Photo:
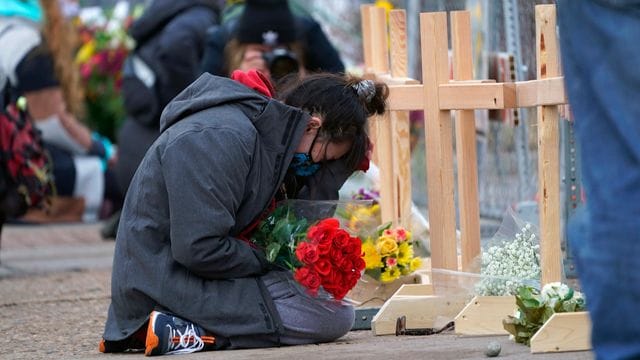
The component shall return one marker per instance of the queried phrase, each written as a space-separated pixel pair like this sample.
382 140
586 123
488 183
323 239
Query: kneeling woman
183 278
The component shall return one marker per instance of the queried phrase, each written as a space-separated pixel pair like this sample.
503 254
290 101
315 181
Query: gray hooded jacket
223 152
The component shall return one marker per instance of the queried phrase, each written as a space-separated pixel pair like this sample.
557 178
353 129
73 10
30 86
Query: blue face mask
303 165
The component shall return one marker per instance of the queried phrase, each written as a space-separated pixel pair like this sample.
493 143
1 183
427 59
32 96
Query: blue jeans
601 62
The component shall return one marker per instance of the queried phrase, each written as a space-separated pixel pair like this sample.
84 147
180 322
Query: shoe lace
184 342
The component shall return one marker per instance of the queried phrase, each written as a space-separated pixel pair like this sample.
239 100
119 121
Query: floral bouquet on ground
536 307
313 245
389 254
105 45
511 260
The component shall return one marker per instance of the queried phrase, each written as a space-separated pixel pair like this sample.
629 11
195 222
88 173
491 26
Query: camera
281 62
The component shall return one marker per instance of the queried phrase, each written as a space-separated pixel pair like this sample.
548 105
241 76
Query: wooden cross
438 96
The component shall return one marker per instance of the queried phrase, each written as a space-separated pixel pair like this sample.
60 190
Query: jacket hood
210 91
159 13
206 92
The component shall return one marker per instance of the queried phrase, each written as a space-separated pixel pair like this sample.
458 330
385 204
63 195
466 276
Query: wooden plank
422 311
398 40
400 126
369 292
401 149
548 149
563 332
365 16
397 80
438 144
367 43
484 314
407 94
406 97
469 96
384 149
468 201
379 43
414 290
381 132
548 91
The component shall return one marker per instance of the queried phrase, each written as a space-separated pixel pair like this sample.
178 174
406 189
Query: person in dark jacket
170 41
265 30
180 270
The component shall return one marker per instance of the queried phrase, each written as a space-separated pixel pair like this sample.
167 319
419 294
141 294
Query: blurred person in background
37 63
602 77
169 39
265 35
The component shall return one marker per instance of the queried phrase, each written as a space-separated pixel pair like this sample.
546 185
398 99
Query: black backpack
140 95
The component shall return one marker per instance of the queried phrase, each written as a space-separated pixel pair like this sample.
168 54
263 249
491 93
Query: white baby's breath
507 265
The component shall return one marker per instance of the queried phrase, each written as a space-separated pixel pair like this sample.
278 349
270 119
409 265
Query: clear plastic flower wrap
510 259
389 252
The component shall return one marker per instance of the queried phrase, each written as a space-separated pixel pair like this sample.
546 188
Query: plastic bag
365 186
510 259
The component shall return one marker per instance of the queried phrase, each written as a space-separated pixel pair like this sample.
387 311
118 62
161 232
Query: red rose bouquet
322 255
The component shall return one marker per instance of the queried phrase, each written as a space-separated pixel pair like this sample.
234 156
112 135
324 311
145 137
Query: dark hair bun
372 95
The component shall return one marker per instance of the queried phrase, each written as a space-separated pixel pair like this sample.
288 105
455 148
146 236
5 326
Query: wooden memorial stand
437 96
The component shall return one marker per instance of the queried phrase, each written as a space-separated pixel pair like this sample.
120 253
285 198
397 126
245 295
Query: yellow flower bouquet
389 254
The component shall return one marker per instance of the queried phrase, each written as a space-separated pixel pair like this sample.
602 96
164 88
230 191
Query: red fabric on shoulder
365 163
255 80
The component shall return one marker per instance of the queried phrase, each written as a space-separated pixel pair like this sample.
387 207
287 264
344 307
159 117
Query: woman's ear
314 123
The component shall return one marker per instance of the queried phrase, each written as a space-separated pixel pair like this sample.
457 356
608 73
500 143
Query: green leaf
547 314
374 273
272 251
380 229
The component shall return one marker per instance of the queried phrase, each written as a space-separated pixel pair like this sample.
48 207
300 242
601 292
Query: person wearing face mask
183 278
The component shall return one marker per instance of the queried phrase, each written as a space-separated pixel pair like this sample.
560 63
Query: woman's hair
234 54
61 41
344 102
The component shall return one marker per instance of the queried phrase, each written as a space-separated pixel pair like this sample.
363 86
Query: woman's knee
338 323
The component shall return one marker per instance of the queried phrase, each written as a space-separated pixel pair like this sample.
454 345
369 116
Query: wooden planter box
371 293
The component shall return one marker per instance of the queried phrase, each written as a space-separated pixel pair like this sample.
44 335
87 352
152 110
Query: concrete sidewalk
54 295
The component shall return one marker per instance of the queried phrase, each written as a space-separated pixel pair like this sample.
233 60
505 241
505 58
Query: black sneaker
168 334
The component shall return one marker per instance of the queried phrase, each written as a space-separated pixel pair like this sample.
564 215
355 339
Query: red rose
330 223
332 280
307 253
308 278
336 257
353 280
340 293
358 263
341 238
354 247
324 245
322 266
338 284
323 229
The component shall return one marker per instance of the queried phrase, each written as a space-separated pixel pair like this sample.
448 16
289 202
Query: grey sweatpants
306 319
